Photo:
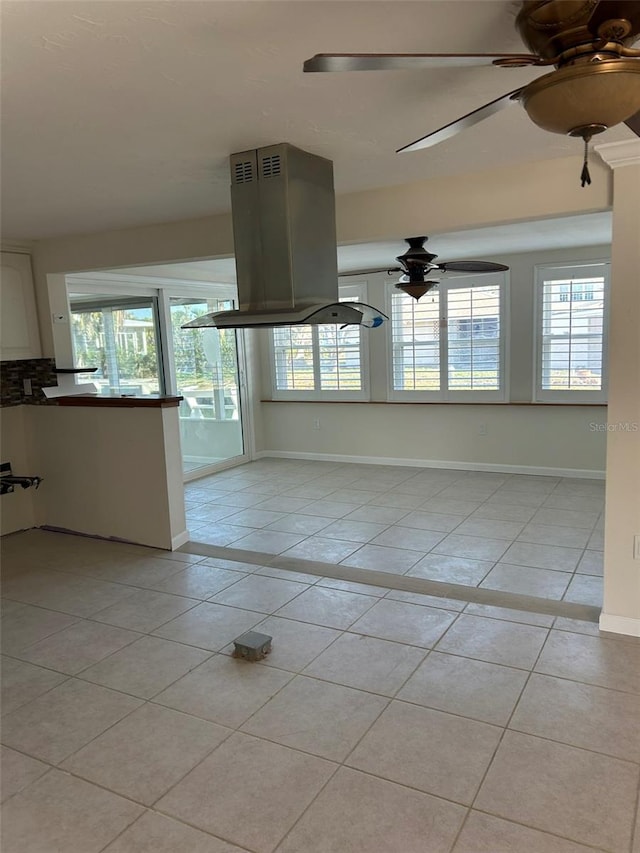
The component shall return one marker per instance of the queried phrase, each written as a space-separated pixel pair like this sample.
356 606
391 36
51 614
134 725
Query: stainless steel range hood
284 233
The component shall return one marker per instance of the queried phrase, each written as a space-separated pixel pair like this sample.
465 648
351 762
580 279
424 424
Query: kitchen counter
123 401
111 467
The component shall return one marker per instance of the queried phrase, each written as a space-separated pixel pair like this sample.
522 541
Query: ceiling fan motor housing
549 28
416 259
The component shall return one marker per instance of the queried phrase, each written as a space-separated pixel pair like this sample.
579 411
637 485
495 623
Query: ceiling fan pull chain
585 177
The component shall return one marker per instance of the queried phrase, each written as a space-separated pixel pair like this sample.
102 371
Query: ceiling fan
416 264
595 84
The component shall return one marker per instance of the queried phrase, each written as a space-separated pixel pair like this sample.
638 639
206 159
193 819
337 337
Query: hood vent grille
270 166
243 172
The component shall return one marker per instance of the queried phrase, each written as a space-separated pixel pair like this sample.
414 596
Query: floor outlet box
252 646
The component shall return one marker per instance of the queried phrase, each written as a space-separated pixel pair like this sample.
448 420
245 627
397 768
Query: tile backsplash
13 373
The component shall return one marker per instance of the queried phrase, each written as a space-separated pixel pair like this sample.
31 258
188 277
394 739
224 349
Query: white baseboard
620 625
581 473
179 540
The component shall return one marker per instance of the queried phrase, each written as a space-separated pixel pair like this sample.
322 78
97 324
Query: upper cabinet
20 337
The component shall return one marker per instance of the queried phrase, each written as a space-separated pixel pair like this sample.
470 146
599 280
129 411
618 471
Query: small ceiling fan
595 84
416 264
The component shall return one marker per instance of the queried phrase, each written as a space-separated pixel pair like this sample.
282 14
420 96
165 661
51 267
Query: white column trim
619 624
179 540
625 153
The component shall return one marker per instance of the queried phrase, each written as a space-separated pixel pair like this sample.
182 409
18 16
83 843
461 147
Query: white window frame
351 291
586 268
444 395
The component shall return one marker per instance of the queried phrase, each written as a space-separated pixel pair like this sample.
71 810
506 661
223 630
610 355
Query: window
571 320
119 336
450 344
320 362
576 291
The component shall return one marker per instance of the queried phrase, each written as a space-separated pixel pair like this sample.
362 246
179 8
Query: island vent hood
284 233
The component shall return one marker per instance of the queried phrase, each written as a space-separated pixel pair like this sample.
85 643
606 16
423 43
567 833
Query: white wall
175 532
17 509
537 190
112 472
529 439
536 437
621 610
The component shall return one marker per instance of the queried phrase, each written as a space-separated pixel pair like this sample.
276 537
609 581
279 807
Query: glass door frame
195 290
163 289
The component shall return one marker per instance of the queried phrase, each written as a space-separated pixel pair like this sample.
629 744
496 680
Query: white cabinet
20 337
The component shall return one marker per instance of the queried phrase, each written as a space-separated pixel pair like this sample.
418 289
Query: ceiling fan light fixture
416 289
597 95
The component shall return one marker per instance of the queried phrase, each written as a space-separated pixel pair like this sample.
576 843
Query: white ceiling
118 113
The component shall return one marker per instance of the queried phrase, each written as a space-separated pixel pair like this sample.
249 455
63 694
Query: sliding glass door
130 328
206 374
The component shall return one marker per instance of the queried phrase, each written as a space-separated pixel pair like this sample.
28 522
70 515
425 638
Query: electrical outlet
482 429
26 387
636 547
316 423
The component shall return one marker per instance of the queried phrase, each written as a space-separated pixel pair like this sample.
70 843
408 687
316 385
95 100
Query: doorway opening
127 323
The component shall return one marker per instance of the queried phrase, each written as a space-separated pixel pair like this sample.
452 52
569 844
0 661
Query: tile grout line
338 764
562 743
343 764
348 630
460 478
502 736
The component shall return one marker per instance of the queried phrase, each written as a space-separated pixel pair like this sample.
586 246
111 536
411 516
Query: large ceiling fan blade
463 123
388 270
414 61
472 266
633 123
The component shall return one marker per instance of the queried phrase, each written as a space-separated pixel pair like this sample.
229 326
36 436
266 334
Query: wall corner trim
620 624
179 540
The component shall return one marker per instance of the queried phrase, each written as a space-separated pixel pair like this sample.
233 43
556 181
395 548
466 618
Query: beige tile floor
538 536
383 721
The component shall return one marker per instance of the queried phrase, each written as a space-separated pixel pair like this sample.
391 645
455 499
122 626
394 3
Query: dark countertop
118 401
